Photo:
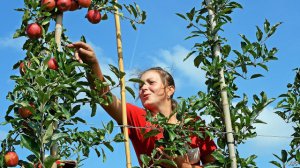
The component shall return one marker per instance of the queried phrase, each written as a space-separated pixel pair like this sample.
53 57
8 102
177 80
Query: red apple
49 4
74 5
22 67
52 64
84 3
11 159
34 31
37 165
25 112
63 5
94 16
59 164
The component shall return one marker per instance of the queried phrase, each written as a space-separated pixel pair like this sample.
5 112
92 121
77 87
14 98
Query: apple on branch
63 5
74 5
49 4
93 16
34 31
84 3
52 64
11 159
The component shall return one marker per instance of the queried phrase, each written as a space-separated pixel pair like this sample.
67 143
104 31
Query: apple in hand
11 159
34 31
93 16
49 4
63 5
84 3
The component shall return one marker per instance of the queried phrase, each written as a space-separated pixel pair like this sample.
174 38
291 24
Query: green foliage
55 97
289 110
234 63
175 136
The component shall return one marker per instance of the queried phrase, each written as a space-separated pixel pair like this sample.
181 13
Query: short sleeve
207 146
135 117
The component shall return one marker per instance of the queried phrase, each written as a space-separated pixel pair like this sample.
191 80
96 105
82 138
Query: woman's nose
144 86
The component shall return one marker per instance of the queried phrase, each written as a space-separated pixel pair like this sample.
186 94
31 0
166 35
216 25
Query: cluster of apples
93 15
35 31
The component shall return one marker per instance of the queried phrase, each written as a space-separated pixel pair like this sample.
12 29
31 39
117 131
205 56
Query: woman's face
153 92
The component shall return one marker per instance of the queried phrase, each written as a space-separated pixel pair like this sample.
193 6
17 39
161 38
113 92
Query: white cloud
3 135
275 127
184 72
12 43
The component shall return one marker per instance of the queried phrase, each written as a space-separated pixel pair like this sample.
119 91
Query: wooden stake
58 32
224 96
123 91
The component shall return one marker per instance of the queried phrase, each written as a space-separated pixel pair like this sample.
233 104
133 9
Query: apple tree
289 110
231 114
52 88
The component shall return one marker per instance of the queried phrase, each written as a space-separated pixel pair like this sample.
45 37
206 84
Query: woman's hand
84 53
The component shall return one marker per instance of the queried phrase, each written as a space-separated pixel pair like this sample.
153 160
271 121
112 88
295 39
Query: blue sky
161 42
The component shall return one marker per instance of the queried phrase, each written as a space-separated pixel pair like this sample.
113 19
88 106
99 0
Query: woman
156 96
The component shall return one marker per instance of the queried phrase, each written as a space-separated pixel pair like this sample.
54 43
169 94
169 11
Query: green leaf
57 136
18 33
188 55
259 121
263 66
250 159
82 38
130 91
46 21
191 14
218 156
107 144
30 144
103 155
181 15
256 76
110 127
298 156
97 152
136 80
145 159
50 160
273 29
266 26
275 163
94 109
48 134
133 10
259 33
171 134
197 61
151 133
284 156
119 138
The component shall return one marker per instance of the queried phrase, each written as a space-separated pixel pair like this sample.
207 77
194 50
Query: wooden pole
224 96
123 91
58 32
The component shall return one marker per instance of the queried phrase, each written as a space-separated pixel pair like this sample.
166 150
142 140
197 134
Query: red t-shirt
136 117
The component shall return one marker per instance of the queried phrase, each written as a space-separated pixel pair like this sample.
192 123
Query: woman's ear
170 90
